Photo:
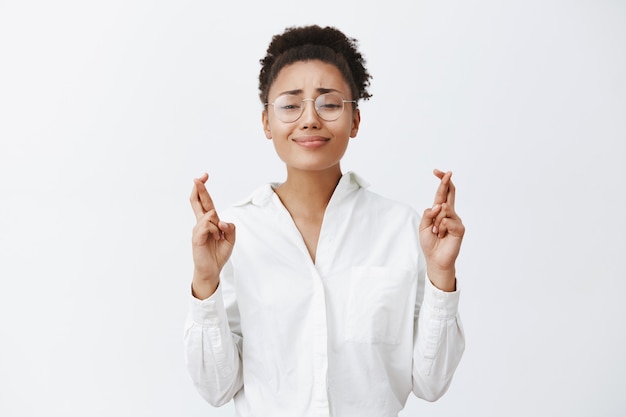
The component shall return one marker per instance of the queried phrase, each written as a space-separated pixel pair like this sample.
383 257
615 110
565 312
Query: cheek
351 127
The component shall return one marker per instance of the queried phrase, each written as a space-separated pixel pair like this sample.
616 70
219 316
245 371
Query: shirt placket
320 348
323 262
319 326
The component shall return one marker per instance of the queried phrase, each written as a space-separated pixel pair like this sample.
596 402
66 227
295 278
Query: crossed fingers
446 219
204 209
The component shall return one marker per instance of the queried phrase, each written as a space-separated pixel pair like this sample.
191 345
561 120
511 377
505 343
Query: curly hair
307 43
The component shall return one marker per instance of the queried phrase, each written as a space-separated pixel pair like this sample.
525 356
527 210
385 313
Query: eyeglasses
329 106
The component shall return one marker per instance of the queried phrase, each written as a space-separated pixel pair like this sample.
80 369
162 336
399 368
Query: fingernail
435 229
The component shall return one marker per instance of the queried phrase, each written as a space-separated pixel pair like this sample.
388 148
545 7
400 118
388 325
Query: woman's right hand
212 241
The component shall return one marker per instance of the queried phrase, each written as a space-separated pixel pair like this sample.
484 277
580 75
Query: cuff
210 311
441 304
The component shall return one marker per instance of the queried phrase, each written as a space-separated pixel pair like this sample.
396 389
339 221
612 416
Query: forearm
438 345
443 279
202 287
212 351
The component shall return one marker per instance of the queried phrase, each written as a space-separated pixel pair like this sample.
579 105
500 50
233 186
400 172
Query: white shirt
349 335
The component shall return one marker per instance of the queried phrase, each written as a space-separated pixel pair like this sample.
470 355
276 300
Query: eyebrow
319 90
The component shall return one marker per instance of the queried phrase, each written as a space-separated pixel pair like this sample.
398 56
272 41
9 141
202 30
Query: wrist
203 286
445 280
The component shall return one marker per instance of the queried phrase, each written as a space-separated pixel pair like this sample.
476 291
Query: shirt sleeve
212 348
439 342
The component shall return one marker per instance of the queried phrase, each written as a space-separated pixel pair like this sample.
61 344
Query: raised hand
212 241
441 233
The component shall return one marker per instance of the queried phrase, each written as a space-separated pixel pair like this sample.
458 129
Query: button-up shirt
351 334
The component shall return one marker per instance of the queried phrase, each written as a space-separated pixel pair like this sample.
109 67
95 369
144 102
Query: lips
311 142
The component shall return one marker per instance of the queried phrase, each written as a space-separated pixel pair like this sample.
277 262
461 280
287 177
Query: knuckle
197 237
203 225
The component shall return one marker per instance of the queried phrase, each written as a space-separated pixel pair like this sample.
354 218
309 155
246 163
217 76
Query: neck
308 190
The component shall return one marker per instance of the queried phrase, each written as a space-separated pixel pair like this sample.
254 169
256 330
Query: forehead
309 76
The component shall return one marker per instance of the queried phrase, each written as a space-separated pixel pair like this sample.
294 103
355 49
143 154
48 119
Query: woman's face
310 143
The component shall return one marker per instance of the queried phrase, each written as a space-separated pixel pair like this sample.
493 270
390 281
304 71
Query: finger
438 173
194 192
429 216
451 194
207 225
446 212
196 205
203 194
204 177
441 194
228 231
443 213
453 227
202 232
200 199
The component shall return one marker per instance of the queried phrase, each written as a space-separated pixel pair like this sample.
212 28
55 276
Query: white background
109 109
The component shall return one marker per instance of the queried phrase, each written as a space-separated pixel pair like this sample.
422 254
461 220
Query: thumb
429 216
229 231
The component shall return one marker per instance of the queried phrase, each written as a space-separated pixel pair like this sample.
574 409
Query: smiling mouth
311 142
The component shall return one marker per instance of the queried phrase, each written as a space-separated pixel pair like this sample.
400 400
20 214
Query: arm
439 339
212 349
438 343
213 343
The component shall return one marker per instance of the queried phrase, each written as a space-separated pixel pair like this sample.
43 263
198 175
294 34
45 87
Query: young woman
331 300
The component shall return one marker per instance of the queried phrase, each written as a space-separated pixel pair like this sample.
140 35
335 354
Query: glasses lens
329 106
288 107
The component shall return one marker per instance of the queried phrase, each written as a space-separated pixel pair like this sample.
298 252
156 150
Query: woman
332 300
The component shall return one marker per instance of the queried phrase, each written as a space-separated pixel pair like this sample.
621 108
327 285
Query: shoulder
257 199
375 205
385 208
376 201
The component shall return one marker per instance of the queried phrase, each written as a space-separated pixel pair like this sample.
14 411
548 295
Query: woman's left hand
441 233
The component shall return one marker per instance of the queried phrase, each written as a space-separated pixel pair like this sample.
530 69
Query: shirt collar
348 183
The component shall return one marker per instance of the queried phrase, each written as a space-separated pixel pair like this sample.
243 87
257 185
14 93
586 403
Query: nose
309 117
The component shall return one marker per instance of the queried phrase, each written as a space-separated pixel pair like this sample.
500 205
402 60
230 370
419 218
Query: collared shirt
349 335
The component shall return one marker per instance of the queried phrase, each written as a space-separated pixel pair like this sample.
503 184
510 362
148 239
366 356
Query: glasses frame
314 100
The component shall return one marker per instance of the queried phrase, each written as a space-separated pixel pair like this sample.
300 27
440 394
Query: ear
356 121
266 124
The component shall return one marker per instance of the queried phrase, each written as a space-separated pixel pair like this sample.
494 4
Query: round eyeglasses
329 106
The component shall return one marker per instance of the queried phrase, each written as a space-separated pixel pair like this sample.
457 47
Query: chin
316 167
